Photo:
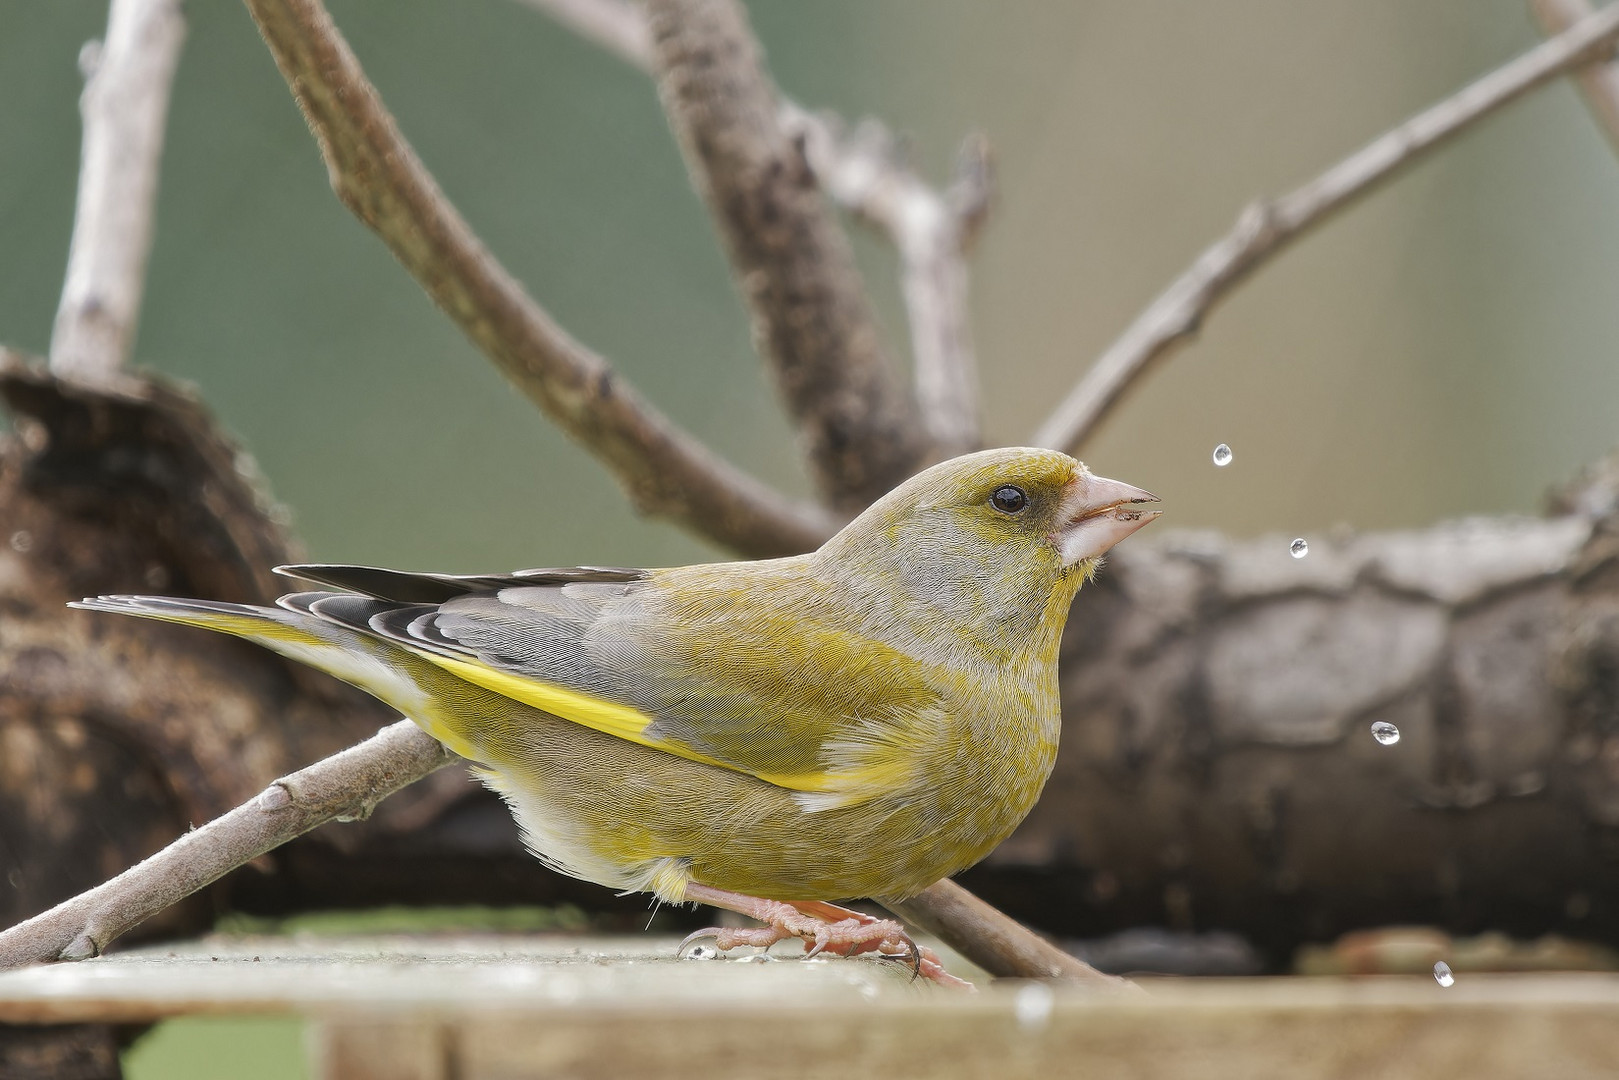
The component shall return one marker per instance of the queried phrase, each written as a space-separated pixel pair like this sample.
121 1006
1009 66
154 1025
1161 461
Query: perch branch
993 940
866 175
343 786
347 786
860 431
377 175
125 103
1599 82
1268 226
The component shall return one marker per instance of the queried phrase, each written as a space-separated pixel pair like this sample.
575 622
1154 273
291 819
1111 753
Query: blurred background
1444 348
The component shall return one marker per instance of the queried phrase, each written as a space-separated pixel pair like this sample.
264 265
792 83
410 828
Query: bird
769 737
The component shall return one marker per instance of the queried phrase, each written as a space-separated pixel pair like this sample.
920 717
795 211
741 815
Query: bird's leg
824 927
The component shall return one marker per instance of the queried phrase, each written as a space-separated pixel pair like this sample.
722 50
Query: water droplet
1222 455
1442 975
22 540
1299 548
1385 733
702 952
1033 1005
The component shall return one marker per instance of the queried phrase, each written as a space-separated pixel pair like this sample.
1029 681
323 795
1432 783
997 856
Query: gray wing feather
404 587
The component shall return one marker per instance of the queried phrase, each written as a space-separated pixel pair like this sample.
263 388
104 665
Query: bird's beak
1099 514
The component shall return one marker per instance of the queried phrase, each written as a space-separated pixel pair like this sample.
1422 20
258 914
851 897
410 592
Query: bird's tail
388 672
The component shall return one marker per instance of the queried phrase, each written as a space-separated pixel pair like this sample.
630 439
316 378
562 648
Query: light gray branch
1269 226
618 26
344 786
865 173
125 105
1599 82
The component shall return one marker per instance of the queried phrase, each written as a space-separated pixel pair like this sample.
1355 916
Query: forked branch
377 175
860 432
865 173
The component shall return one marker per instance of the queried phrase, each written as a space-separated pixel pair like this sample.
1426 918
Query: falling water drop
1033 1005
1299 548
1442 975
1385 733
1222 455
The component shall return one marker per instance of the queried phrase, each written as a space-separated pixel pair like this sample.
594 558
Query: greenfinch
768 736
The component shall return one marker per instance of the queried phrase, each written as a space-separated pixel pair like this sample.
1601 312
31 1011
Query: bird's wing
728 665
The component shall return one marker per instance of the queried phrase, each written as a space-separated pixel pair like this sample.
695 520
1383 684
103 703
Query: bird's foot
824 928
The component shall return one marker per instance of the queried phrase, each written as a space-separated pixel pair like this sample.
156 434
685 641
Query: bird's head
987 536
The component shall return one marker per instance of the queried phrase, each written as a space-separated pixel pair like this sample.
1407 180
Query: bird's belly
627 816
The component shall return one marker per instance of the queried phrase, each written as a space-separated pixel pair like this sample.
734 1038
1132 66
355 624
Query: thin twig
378 176
1599 82
865 174
618 26
125 105
1268 226
860 431
344 786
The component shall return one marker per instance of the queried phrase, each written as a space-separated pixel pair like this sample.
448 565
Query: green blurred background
1444 348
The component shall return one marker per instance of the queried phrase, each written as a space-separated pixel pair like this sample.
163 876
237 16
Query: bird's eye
1008 499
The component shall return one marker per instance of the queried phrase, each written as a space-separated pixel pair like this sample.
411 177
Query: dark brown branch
860 430
344 786
868 176
125 106
1599 82
378 176
1267 227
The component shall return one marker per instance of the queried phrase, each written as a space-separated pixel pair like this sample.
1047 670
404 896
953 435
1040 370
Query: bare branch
348 785
124 106
618 26
344 786
1599 82
1268 226
866 175
377 175
993 940
860 430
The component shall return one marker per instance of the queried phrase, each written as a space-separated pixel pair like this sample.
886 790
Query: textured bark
1218 770
115 735
861 433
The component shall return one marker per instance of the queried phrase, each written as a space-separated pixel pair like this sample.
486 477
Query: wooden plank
499 1008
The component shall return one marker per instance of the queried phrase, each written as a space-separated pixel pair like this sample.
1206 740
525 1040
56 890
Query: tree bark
1218 770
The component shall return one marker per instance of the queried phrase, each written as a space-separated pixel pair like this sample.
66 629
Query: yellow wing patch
629 723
